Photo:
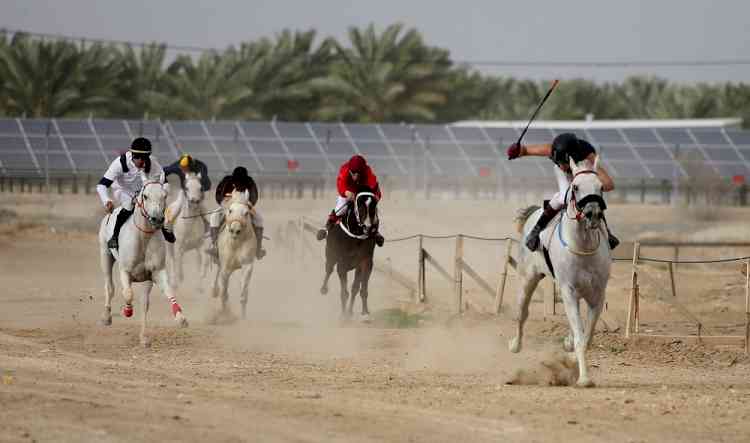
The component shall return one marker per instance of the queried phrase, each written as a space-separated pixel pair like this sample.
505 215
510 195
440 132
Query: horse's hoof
145 342
324 290
365 318
568 344
105 321
514 345
127 311
586 383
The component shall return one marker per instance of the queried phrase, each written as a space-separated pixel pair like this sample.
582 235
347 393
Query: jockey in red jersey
352 174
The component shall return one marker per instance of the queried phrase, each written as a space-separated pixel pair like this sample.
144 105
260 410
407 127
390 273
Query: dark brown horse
350 244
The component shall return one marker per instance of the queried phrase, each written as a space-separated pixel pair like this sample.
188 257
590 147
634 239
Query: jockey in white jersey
126 176
563 148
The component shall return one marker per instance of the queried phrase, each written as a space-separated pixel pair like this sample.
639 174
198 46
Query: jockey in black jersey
238 181
563 148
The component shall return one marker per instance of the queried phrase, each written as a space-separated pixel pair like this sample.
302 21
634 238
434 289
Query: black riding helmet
562 146
141 147
240 172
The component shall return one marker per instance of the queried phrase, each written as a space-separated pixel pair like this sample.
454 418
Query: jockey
563 147
185 164
128 173
352 174
238 181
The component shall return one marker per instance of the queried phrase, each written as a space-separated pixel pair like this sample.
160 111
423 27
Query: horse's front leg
145 341
356 285
107 261
162 280
245 288
572 311
528 285
593 314
364 286
328 272
127 293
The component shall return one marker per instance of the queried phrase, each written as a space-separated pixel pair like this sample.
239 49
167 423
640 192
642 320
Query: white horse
580 257
237 248
186 213
141 255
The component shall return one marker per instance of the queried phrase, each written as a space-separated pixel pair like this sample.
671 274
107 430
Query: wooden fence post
671 279
500 293
458 271
420 271
747 307
633 292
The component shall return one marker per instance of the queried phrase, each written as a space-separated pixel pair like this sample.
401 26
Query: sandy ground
293 372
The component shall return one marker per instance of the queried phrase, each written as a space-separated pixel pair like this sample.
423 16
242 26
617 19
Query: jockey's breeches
123 197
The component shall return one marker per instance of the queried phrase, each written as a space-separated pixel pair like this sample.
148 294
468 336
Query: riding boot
332 219
168 235
613 241
379 239
213 250
122 217
532 240
259 252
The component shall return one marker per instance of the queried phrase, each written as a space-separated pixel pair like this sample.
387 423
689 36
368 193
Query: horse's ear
573 166
247 194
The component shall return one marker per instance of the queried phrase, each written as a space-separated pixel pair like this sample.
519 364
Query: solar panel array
28 147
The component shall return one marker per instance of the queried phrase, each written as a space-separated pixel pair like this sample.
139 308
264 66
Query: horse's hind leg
572 311
344 292
145 341
246 288
107 262
522 309
356 285
162 280
364 284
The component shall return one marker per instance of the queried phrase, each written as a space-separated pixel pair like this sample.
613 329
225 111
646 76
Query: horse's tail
523 215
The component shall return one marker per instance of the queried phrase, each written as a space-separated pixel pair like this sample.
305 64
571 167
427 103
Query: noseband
579 205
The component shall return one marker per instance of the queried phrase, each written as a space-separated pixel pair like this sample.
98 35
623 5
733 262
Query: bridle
577 205
343 226
140 205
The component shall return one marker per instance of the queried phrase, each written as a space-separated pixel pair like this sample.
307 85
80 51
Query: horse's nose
158 220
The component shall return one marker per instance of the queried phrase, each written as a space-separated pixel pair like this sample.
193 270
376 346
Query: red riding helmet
357 164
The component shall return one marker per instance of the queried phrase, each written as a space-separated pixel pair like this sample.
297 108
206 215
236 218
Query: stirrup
112 243
613 241
532 241
322 234
260 254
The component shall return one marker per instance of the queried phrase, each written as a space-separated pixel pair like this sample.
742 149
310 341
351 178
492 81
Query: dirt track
292 372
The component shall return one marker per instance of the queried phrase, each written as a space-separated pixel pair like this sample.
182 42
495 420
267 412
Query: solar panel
443 149
466 134
223 130
9 126
502 136
433 133
363 132
740 137
675 136
403 149
274 163
732 169
710 137
303 147
240 159
145 128
641 136
665 170
188 129
328 131
482 150
629 169
268 147
338 148
617 152
722 154
397 132
37 126
453 167
384 166
258 130
651 153
110 127
605 136
74 127
293 130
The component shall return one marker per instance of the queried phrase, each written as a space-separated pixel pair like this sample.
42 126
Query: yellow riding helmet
185 160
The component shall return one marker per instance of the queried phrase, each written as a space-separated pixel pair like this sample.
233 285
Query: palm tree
386 77
202 89
142 75
55 78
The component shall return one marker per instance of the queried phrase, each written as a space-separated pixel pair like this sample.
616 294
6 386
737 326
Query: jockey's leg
217 218
126 203
551 209
613 241
333 217
258 228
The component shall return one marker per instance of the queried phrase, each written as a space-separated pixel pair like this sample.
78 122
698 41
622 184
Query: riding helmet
141 146
186 160
240 172
357 164
562 146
